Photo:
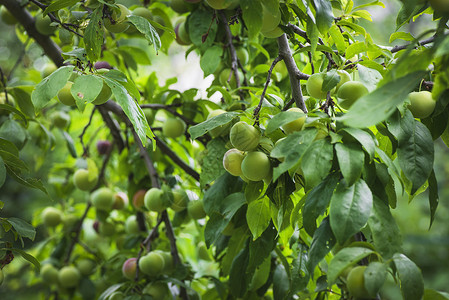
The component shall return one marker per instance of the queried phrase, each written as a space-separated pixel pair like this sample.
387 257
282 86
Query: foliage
153 213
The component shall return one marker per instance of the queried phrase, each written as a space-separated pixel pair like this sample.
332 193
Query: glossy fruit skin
195 209
131 225
104 95
270 20
232 161
154 200
344 77
64 95
102 65
119 16
82 181
103 147
103 199
224 76
295 125
157 290
349 92
272 34
179 200
222 4
182 35
422 104
43 25
50 68
49 274
314 85
256 166
7 16
242 55
143 12
440 5
51 216
69 277
138 199
168 261
106 228
86 266
179 6
129 268
173 128
60 119
120 201
244 137
220 130
356 282
152 264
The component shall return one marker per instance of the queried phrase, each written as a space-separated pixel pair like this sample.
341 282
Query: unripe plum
120 201
232 161
131 225
440 5
220 130
2 277
295 125
179 200
154 200
152 264
422 104
344 77
256 166
242 55
64 95
157 290
222 4
51 216
49 274
173 128
272 34
271 19
69 277
7 17
86 266
102 199
179 6
195 209
104 95
138 199
349 92
314 86
119 16
356 282
60 119
224 76
244 137
43 25
182 35
129 268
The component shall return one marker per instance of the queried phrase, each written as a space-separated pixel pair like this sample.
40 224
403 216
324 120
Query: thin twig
86 149
113 127
170 110
19 59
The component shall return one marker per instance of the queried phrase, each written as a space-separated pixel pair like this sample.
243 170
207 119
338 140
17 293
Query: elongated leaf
50 86
202 28
258 216
211 59
23 99
317 201
351 160
86 88
145 27
238 281
28 257
2 172
23 228
281 282
70 144
375 275
212 123
324 15
225 185
252 15
212 166
322 243
412 285
364 138
93 35
317 162
281 119
380 104
131 109
29 182
435 295
343 259
57 5
338 38
415 152
433 197
350 209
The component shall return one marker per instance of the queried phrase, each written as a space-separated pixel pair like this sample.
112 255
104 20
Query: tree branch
50 48
113 127
293 71
170 110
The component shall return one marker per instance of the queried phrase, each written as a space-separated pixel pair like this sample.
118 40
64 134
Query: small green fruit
179 200
82 181
356 282
51 216
49 274
60 119
69 277
129 268
220 130
195 209
349 92
244 137
119 16
64 95
344 77
154 200
152 264
104 95
173 128
138 199
256 166
295 125
422 104
131 225
232 161
314 86
242 55
224 76
43 25
86 266
103 199
157 290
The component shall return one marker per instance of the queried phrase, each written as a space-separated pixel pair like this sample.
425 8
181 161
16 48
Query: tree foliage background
360 186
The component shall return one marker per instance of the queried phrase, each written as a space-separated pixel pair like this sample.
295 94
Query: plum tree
43 25
129 268
152 264
244 137
182 35
103 199
356 282
232 161
104 95
173 128
344 77
349 92
295 125
103 146
256 166
220 130
271 19
224 76
51 216
422 104
120 201
69 277
154 200
179 6
65 96
83 180
102 65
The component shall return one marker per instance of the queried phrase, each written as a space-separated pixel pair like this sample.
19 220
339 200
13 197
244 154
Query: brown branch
113 127
293 71
170 110
420 43
86 149
26 19
267 82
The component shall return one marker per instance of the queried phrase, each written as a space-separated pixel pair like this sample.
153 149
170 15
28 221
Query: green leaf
252 14
13 132
29 182
322 243
105 295
222 187
300 274
23 99
369 75
330 80
324 15
338 38
253 190
50 86
351 160
281 282
200 25
70 145
312 34
261 248
415 151
435 295
93 35
57 5
238 281
281 119
236 243
145 27
2 172
408 10
433 197
27 257
412 286
350 209
13 161
23 228
211 59
131 109
258 216
317 201
343 259
364 138
406 36
377 106
375 275
317 162
212 166
7 146
87 288
86 88
355 48
208 125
